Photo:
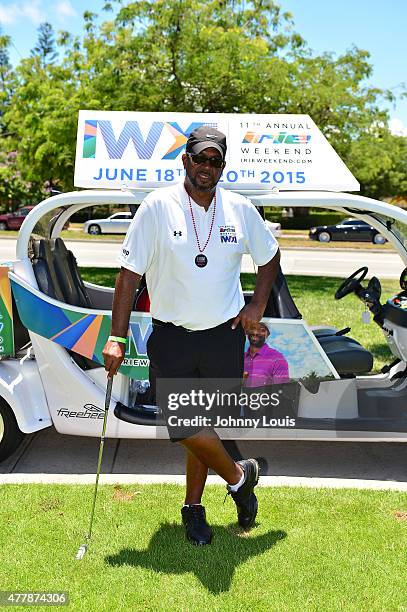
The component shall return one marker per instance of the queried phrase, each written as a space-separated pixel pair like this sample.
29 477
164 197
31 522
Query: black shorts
176 353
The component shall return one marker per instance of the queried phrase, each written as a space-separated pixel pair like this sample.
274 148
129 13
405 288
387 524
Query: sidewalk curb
334 249
265 481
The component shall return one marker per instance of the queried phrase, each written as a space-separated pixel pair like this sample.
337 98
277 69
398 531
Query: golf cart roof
389 220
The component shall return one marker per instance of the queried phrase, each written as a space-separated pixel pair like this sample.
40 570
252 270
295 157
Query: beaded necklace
201 260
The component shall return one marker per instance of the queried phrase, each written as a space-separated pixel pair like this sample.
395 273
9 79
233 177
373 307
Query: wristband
117 339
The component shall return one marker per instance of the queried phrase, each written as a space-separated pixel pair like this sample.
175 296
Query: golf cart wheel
324 237
94 229
378 239
10 434
3 226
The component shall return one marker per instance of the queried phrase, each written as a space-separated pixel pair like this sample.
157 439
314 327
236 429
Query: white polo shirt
161 244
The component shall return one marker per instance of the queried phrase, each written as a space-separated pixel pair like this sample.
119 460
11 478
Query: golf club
84 547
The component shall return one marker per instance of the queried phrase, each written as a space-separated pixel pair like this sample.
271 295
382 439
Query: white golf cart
52 374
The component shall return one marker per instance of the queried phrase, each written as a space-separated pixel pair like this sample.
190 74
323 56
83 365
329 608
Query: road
310 261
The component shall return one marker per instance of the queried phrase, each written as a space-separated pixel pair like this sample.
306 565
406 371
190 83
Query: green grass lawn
315 300
311 549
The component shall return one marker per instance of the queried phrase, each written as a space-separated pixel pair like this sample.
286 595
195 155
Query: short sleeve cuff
269 257
125 264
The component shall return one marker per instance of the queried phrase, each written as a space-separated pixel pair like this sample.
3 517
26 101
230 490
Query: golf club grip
108 392
136 415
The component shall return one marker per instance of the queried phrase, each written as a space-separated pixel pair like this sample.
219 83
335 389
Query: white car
274 227
118 223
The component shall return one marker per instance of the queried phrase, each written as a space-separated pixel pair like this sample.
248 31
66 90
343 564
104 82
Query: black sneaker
244 498
197 529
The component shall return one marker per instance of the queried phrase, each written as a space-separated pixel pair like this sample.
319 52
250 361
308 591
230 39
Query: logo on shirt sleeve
125 252
227 233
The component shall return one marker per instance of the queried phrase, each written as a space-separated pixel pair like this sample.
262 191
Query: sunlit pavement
51 457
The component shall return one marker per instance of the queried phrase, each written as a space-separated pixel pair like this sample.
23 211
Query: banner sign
6 315
118 149
84 333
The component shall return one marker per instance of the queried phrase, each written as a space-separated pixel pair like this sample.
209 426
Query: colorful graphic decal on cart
6 315
84 333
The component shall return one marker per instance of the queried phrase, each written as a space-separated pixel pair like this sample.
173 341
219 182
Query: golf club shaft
102 443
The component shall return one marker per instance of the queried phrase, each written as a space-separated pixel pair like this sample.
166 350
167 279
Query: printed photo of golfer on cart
280 357
54 325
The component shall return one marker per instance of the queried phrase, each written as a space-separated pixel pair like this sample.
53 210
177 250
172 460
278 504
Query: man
189 239
263 365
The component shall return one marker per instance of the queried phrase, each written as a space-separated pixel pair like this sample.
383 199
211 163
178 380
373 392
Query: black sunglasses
215 162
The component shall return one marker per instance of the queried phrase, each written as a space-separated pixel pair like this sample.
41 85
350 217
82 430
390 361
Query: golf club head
81 552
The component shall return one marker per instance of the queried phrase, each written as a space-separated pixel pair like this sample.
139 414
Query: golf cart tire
10 434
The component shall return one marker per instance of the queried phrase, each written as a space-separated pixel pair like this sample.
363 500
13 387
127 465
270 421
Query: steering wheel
351 283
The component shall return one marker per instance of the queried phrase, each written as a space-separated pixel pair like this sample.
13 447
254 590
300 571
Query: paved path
50 457
311 261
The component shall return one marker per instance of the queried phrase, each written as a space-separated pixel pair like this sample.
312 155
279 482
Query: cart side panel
82 331
6 315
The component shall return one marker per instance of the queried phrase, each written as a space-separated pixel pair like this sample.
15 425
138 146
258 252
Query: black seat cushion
57 275
44 270
280 303
67 272
346 354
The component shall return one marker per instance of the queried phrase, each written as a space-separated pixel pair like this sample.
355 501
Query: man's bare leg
209 450
196 478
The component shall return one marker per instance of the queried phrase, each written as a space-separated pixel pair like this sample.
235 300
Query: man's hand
252 313
113 352
249 316
113 355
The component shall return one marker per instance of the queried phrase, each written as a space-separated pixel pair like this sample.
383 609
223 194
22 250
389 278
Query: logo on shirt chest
177 233
227 233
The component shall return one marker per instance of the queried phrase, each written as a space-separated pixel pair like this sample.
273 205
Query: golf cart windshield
396 227
44 226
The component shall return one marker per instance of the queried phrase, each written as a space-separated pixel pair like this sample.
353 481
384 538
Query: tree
6 80
45 47
12 187
196 56
43 119
379 160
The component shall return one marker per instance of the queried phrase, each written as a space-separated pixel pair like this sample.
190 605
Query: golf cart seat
280 303
68 275
57 273
346 354
44 270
